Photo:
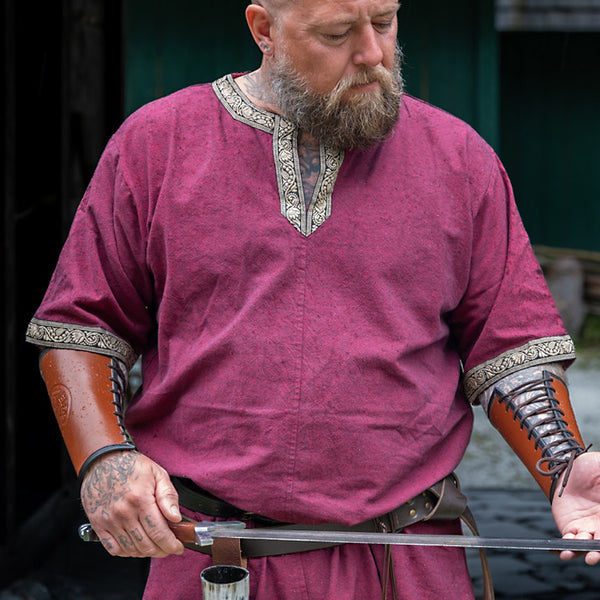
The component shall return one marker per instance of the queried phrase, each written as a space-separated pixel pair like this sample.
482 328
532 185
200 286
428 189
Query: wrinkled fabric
308 379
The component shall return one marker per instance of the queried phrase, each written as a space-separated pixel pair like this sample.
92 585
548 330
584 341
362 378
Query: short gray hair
273 6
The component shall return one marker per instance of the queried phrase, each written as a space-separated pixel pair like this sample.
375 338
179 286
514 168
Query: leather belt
195 499
443 500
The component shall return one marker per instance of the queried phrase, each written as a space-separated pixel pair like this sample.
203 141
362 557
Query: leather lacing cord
555 460
118 377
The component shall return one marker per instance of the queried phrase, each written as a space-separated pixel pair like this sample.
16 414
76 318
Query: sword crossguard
203 530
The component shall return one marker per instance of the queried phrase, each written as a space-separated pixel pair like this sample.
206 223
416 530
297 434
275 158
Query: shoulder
177 110
440 127
437 138
164 128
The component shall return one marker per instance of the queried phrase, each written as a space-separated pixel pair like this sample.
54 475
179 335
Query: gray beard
359 122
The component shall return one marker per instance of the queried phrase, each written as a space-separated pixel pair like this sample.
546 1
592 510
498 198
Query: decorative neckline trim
306 219
240 107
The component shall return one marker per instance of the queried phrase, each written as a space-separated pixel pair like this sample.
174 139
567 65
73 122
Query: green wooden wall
450 49
551 134
535 97
451 59
174 43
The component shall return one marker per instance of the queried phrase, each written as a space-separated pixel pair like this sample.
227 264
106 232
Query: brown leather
519 437
228 551
184 531
452 504
84 391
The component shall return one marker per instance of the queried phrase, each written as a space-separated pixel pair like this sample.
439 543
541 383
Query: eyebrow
391 10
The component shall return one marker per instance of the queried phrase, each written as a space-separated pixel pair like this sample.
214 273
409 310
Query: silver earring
265 48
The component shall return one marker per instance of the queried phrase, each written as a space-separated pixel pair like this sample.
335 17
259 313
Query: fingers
591 558
158 533
129 544
167 498
568 554
134 533
119 497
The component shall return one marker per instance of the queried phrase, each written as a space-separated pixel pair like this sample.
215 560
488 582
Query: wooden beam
548 15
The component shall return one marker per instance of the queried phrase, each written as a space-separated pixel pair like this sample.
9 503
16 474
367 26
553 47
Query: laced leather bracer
87 394
532 411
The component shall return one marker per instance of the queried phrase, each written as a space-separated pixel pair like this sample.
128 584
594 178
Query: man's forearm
532 411
87 394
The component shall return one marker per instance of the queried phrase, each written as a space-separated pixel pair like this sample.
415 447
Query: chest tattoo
310 167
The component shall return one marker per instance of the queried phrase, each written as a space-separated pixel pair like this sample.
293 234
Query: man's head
334 65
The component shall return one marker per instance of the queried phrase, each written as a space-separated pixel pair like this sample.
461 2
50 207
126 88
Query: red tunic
302 364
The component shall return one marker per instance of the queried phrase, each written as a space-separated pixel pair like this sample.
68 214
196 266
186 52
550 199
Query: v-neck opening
306 218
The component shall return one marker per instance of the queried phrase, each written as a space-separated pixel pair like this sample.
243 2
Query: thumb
167 498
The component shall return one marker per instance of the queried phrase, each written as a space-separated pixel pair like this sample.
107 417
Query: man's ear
260 21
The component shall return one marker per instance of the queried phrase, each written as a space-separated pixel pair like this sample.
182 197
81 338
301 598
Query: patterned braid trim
52 334
536 352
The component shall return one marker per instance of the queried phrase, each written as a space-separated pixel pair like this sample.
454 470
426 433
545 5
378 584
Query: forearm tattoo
108 481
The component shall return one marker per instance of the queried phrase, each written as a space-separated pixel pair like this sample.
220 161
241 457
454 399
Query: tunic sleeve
100 294
507 319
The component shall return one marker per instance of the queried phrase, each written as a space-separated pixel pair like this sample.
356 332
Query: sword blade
202 533
408 539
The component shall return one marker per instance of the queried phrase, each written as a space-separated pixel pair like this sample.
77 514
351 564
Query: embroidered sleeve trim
52 334
536 352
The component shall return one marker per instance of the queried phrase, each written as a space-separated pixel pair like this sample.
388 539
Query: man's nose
368 49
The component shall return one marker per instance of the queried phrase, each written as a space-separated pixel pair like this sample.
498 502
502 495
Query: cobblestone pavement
526 575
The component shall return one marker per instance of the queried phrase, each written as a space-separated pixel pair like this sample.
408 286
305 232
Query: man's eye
335 37
383 26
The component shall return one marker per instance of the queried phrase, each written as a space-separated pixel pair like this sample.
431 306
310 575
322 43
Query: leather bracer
532 411
87 393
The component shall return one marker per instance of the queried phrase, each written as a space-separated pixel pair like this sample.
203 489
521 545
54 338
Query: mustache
336 118
377 74
334 101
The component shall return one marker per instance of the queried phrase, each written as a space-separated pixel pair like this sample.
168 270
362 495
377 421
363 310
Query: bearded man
320 275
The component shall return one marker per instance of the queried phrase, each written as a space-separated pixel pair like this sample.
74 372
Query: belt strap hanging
228 551
452 504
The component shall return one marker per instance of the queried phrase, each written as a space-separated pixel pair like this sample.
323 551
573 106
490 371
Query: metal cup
225 582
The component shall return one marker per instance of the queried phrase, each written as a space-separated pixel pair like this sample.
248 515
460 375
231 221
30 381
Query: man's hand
128 499
577 511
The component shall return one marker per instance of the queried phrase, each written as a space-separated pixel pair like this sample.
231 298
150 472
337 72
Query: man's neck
256 86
